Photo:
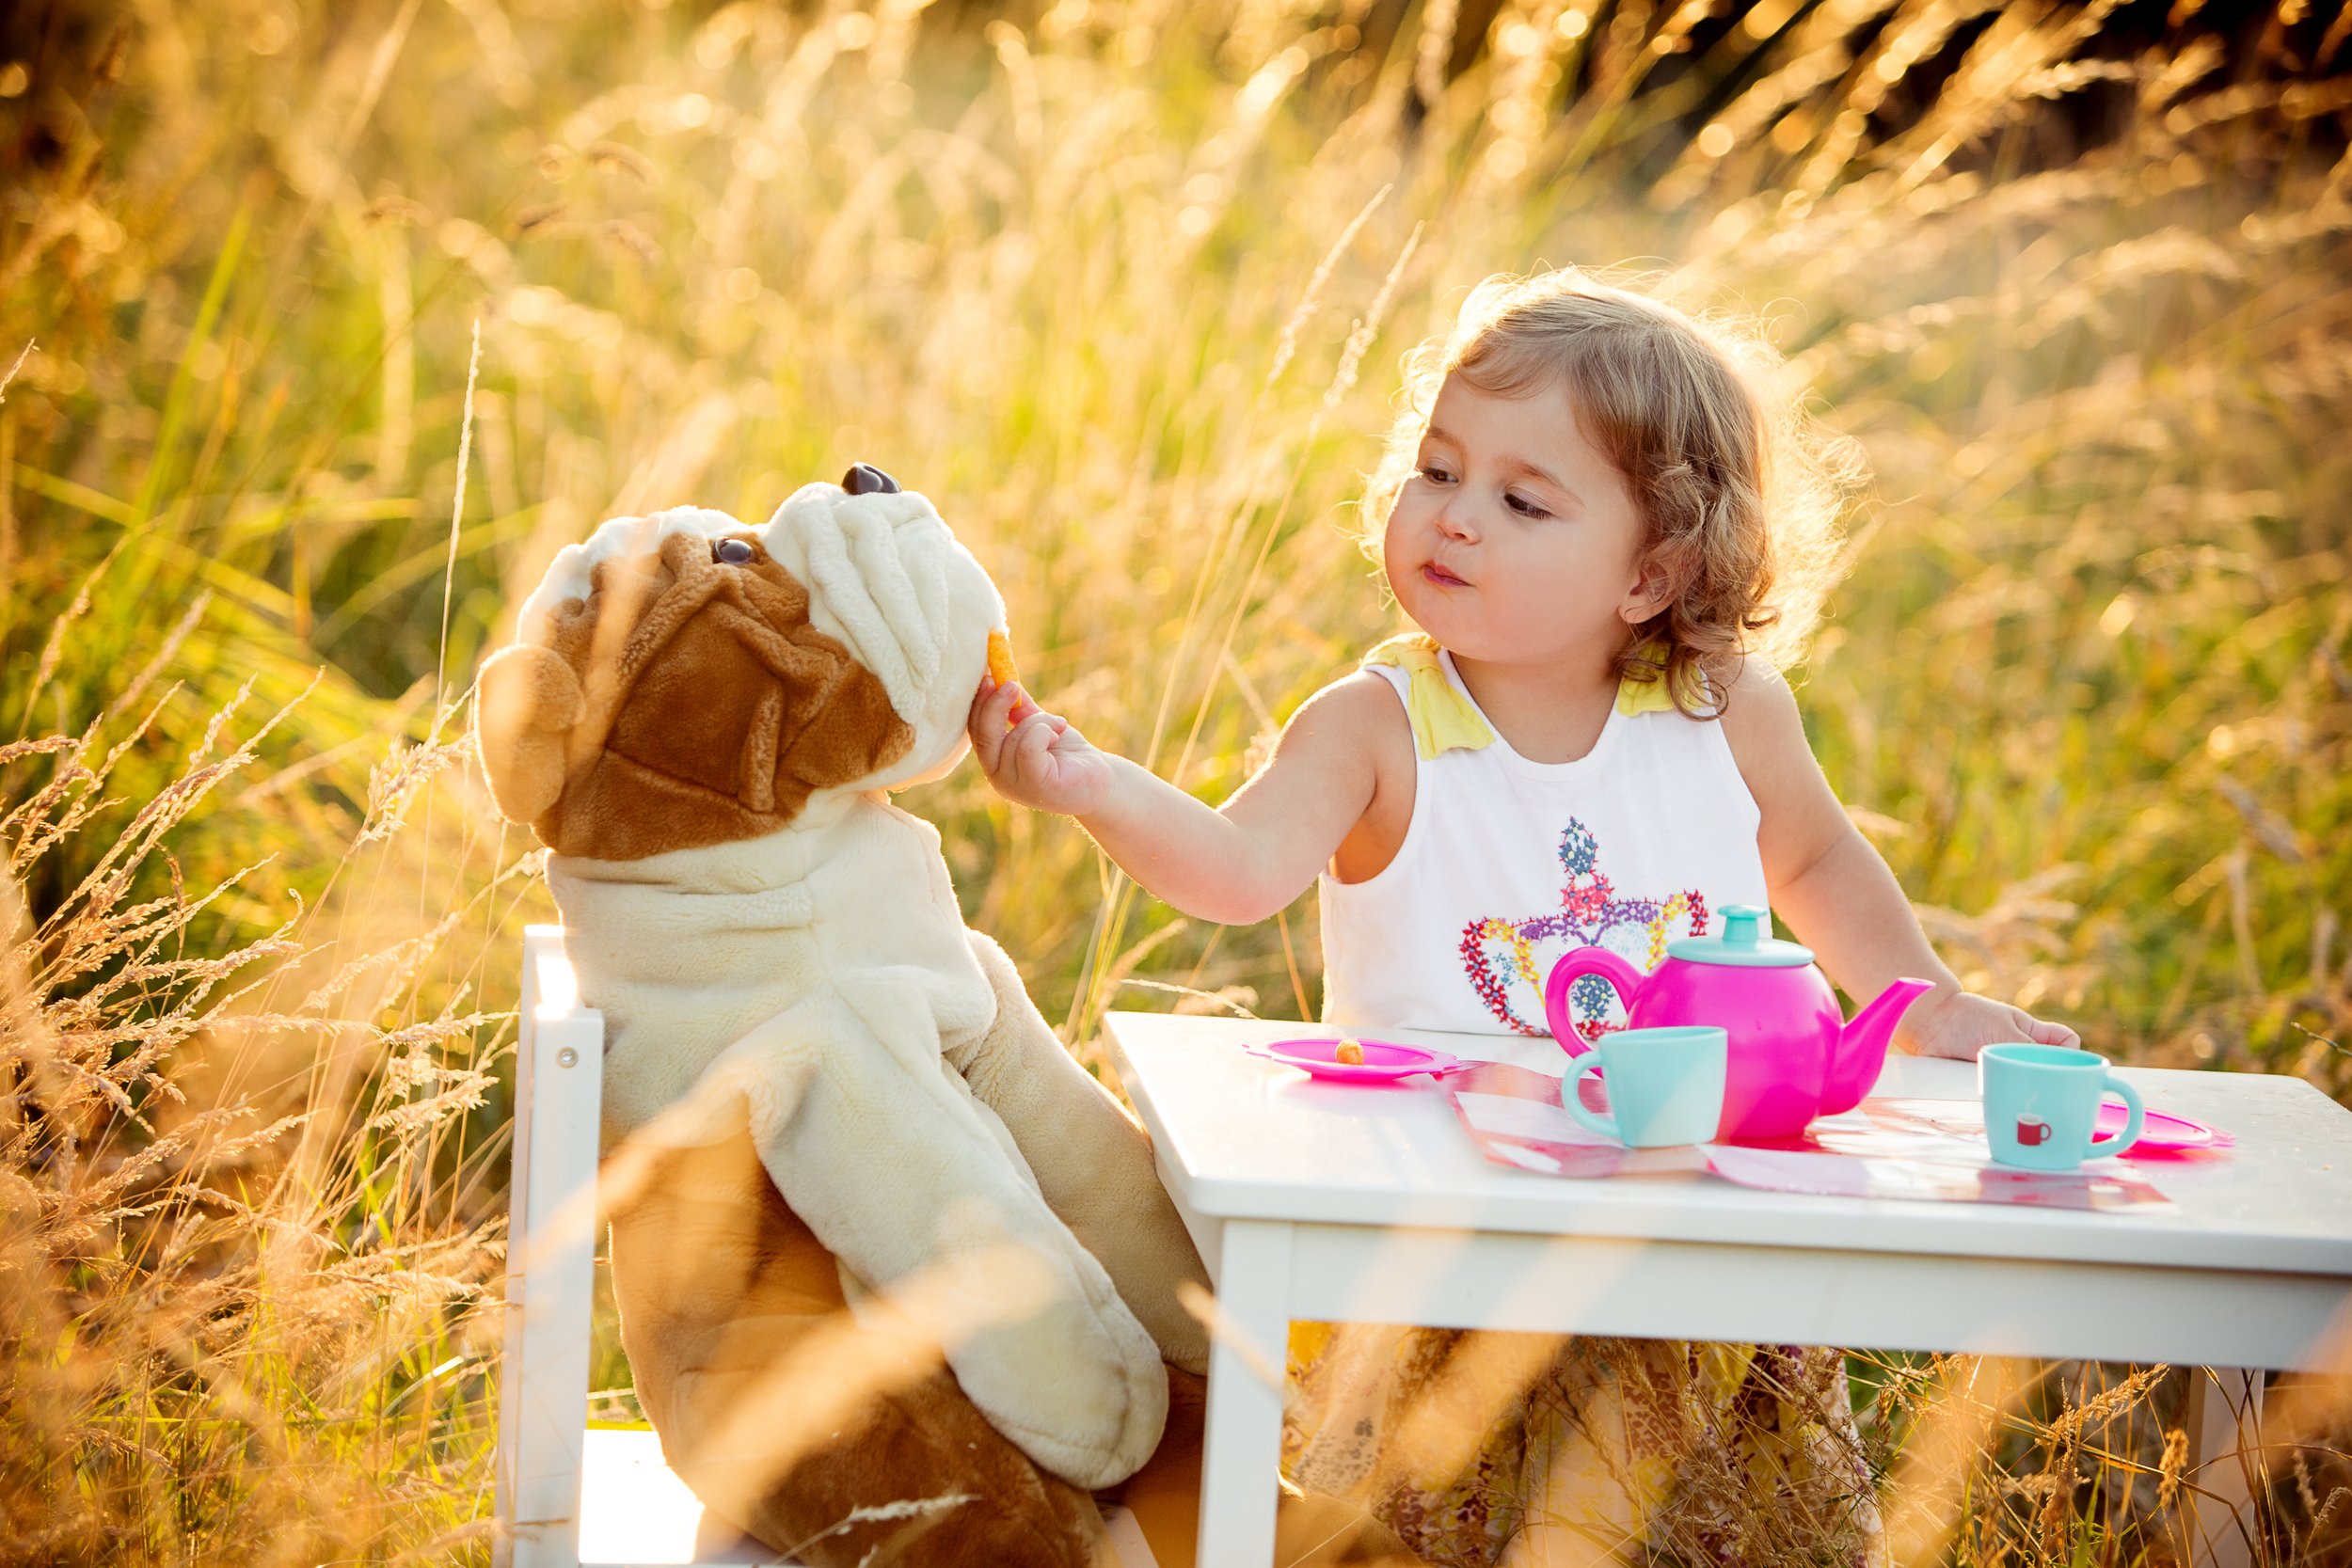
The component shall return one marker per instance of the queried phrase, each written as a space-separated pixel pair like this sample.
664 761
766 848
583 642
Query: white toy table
1334 1203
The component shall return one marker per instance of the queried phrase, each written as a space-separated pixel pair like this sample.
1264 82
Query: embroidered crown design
1497 952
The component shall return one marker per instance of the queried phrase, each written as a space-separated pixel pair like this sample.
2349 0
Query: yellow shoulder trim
1441 716
1444 718
1647 696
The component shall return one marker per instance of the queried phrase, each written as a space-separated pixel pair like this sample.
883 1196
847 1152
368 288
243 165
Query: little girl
1611 533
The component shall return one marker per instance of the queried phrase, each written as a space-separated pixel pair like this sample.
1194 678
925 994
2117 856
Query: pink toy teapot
1793 1055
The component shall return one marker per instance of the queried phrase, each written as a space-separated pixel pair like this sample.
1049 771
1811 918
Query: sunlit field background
1124 290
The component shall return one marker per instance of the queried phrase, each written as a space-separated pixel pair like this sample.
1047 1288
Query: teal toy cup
2041 1105
1665 1085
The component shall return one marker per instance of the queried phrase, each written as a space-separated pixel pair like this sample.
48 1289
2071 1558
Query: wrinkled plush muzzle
683 680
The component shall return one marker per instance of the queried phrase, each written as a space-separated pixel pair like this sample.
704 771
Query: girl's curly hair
1740 492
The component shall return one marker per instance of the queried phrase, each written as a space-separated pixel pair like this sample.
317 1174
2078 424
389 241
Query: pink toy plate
1383 1063
2160 1132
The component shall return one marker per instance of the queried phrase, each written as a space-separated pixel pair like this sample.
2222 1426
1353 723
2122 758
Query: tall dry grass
241 1257
1124 289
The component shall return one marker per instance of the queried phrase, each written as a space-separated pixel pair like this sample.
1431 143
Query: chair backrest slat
550 1259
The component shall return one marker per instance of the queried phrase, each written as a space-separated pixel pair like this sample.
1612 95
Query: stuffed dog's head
684 679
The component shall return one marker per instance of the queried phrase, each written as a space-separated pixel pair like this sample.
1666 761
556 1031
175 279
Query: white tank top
1508 863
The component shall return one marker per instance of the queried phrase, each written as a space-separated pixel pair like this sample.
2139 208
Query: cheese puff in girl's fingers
1035 759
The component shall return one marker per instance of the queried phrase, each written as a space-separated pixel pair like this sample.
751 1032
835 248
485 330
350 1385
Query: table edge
1219 1199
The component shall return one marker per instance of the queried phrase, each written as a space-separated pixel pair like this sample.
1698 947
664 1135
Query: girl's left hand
1960 1023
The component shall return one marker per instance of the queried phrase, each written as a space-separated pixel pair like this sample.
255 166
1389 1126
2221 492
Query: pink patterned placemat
1915 1148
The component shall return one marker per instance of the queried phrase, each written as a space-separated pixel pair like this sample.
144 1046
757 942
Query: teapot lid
1746 943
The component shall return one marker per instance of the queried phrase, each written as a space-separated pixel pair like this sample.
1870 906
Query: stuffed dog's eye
731 552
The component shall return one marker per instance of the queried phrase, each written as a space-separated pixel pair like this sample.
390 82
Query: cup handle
1573 1103
2130 1135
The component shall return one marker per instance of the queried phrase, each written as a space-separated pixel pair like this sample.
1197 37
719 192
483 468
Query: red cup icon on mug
2031 1132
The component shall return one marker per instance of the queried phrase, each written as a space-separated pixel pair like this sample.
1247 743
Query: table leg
2224 1421
1242 1444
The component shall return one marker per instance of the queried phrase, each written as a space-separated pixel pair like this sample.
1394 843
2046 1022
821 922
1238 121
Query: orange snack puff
1350 1051
1002 671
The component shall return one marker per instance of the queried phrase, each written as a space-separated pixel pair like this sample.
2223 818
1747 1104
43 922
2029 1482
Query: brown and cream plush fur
898 1281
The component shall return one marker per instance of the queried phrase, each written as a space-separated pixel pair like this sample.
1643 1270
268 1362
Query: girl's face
1516 541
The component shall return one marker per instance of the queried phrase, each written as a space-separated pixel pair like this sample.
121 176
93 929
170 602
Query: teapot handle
1621 975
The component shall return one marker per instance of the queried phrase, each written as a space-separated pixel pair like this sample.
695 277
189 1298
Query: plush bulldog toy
897 1279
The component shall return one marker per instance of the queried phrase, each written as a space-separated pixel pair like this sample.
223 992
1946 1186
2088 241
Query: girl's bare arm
1235 866
1837 895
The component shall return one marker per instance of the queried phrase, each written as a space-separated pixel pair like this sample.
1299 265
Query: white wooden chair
571 1494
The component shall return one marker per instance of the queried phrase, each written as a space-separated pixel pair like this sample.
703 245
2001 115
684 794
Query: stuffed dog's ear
525 705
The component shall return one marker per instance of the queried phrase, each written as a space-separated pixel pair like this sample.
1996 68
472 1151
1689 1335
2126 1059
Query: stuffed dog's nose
864 479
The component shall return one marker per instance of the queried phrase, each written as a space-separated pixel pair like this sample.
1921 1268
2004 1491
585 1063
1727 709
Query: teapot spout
1862 1046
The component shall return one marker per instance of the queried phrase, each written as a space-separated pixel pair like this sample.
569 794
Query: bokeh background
1124 288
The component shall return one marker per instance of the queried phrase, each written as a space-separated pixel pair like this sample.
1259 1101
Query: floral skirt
1486 1449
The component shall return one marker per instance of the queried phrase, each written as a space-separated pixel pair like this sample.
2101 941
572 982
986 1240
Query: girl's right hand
1035 759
